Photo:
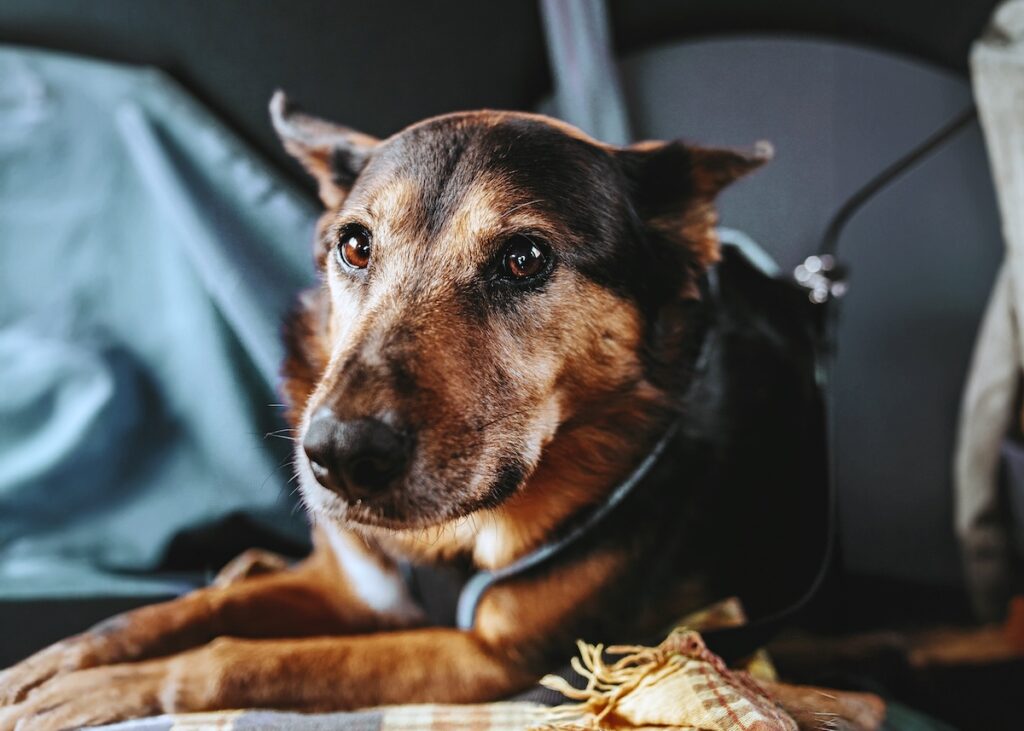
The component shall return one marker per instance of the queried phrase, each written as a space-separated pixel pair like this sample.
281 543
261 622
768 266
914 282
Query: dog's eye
354 246
523 258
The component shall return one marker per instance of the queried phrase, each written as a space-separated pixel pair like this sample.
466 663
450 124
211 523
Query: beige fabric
677 685
483 717
997 71
425 717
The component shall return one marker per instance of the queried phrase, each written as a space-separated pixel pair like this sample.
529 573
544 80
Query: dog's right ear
333 155
674 186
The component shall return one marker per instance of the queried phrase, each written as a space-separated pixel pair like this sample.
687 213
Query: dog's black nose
358 457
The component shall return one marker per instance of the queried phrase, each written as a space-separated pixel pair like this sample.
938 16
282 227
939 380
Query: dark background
379 65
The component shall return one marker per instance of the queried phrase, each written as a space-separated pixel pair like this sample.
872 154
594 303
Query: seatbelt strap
588 93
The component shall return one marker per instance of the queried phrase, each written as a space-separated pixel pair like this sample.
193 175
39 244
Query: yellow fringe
652 677
607 684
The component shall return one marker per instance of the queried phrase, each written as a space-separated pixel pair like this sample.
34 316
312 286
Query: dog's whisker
513 209
285 463
285 437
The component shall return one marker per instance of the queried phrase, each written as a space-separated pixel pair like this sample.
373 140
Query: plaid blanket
488 717
514 716
679 684
483 717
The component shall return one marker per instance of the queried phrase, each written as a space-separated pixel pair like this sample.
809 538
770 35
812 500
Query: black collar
473 591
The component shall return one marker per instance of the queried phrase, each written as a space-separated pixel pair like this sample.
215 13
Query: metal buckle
822 277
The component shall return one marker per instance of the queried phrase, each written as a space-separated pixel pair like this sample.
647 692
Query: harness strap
477 586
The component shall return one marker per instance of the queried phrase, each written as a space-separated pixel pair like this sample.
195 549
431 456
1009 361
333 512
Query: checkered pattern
680 685
431 717
482 717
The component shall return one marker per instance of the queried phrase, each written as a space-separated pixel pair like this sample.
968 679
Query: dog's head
490 281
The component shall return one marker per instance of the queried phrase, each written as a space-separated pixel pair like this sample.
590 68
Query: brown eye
354 246
523 259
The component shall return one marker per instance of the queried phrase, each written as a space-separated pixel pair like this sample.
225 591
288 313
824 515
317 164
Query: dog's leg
318 674
427 665
314 598
254 562
819 708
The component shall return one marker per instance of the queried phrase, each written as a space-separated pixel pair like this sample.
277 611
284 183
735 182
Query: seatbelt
588 93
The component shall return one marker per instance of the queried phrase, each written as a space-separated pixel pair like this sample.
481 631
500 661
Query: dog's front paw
819 708
90 697
108 643
61 658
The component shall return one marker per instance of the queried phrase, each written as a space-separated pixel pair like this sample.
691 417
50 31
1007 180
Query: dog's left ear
334 155
674 186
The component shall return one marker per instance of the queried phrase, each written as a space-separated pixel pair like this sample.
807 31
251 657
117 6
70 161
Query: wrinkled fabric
987 411
146 261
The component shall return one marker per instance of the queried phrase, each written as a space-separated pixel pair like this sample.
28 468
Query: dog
507 318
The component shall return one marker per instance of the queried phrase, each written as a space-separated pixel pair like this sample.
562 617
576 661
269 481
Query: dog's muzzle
357 458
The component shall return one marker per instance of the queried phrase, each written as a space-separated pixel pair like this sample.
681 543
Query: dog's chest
380 587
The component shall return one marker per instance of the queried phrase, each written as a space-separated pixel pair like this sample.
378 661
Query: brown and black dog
506 320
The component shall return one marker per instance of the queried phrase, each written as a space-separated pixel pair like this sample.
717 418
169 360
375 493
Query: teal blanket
146 260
